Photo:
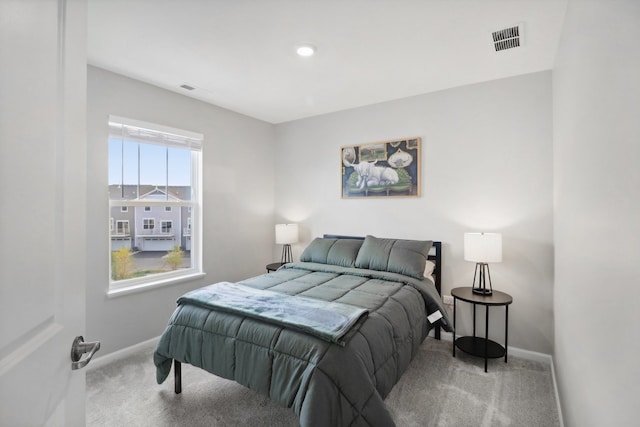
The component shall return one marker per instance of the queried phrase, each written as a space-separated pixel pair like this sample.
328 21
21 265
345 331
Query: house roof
148 192
158 194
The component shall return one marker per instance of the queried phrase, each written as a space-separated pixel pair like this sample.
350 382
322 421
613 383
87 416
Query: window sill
147 286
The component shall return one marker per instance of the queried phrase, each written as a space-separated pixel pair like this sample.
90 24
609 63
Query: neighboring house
153 227
120 221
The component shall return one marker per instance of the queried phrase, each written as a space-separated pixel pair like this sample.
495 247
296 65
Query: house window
187 230
154 165
122 228
166 226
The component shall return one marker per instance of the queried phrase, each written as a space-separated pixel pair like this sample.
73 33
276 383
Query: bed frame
435 255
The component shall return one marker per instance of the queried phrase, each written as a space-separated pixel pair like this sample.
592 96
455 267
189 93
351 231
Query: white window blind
151 133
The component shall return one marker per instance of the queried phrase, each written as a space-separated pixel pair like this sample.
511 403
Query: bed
328 336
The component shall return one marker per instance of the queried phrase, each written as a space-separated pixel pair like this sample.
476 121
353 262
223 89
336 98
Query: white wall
238 192
596 91
486 166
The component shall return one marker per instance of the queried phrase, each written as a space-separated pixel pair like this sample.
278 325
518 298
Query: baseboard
555 388
120 354
527 355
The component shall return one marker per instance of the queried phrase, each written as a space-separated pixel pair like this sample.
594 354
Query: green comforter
326 384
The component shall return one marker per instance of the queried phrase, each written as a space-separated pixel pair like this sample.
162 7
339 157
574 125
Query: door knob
78 348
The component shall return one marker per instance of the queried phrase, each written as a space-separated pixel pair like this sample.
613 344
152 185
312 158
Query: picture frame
381 169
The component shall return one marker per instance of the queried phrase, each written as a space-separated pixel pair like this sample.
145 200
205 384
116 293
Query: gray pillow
406 257
342 252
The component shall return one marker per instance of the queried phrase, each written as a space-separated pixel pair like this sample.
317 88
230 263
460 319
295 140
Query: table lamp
286 234
482 248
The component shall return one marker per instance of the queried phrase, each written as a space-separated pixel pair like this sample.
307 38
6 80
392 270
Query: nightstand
274 266
478 346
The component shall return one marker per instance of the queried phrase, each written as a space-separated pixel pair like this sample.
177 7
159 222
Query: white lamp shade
286 234
483 247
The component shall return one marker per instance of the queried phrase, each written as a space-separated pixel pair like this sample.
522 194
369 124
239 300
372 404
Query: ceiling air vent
507 38
187 87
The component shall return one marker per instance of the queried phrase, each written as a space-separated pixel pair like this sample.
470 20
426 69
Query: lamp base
482 272
482 291
286 254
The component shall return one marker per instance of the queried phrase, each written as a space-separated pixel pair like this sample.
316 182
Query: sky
154 167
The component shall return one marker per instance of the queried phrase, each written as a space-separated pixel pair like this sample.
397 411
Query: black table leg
486 337
506 331
474 320
177 376
454 326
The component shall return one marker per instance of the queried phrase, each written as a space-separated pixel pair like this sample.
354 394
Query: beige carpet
437 390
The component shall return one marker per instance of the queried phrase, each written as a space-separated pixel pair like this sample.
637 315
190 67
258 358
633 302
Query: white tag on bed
433 317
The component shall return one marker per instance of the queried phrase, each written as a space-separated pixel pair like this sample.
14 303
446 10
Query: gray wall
486 166
238 192
596 91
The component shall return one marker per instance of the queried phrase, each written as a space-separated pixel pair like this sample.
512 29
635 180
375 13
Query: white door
42 210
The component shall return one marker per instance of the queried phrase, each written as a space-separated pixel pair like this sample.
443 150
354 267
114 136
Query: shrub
121 264
174 258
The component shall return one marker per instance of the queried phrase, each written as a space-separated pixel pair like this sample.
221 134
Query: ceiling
239 54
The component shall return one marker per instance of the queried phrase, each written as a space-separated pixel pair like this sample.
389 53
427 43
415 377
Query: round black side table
478 346
274 266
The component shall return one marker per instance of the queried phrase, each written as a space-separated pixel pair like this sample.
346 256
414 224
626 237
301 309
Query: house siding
139 238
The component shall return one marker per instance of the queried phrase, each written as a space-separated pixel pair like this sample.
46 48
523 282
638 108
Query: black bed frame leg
177 376
437 332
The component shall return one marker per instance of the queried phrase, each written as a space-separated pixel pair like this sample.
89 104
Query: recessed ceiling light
305 50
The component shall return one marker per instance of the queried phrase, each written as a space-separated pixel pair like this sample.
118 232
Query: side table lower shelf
476 345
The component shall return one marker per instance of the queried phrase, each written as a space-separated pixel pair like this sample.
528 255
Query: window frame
162 226
194 205
148 223
128 227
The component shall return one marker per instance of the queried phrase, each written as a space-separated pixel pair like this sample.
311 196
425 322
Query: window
122 228
166 226
151 166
